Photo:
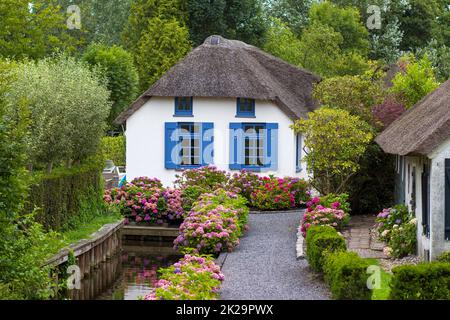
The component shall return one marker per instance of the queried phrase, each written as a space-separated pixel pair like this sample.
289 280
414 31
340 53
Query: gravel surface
389 264
264 265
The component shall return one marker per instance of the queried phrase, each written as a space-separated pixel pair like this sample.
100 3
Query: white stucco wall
145 135
435 242
438 242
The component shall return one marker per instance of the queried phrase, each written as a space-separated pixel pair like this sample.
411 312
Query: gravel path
264 265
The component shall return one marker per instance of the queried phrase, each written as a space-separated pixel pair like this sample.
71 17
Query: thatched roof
422 128
231 69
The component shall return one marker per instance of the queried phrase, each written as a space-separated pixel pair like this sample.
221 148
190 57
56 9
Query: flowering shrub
144 201
330 201
208 178
244 183
147 182
390 217
214 224
321 216
191 278
278 194
397 227
190 195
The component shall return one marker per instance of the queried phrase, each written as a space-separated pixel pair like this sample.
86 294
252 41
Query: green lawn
85 230
383 292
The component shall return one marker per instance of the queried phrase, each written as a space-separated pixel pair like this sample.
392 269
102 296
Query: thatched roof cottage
226 103
420 139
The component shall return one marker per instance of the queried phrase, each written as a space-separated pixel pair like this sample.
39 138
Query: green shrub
444 257
113 148
425 281
60 196
322 240
403 239
346 274
190 195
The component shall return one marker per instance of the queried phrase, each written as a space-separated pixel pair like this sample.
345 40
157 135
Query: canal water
129 275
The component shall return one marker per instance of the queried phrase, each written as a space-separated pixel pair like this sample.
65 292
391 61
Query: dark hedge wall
60 196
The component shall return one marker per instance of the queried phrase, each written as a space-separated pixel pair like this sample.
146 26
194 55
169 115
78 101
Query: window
188 144
245 107
183 106
253 146
298 153
426 200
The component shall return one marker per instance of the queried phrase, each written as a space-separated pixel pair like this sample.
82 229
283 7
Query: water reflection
128 275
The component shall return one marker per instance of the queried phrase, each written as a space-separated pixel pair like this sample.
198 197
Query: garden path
264 266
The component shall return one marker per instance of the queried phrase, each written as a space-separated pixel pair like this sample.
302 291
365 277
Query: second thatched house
420 139
226 103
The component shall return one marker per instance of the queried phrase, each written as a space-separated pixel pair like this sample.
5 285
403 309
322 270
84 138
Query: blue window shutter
298 153
271 160
207 143
235 146
170 143
447 199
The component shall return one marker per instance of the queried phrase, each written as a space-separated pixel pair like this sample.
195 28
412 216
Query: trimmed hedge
63 194
444 257
322 240
346 274
425 281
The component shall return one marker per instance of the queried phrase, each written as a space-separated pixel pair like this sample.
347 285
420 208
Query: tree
419 23
163 44
69 105
386 46
356 94
415 82
117 66
388 111
282 43
293 13
13 138
334 141
346 21
141 13
439 56
32 31
321 53
235 19
101 20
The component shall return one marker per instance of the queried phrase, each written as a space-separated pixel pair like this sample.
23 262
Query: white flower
385 233
413 221
387 251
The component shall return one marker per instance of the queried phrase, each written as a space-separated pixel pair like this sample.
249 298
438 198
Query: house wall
438 242
435 242
145 135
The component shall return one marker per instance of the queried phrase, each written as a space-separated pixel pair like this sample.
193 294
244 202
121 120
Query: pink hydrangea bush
144 201
191 278
214 224
322 216
279 194
244 183
208 177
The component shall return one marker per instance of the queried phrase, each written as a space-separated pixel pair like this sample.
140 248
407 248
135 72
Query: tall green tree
236 19
162 45
117 66
346 21
293 13
101 20
32 29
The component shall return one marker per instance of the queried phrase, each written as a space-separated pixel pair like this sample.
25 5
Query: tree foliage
346 21
163 44
69 105
356 94
293 13
234 19
32 31
334 141
117 67
416 81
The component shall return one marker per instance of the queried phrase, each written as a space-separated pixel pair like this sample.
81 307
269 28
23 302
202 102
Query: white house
226 103
420 139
